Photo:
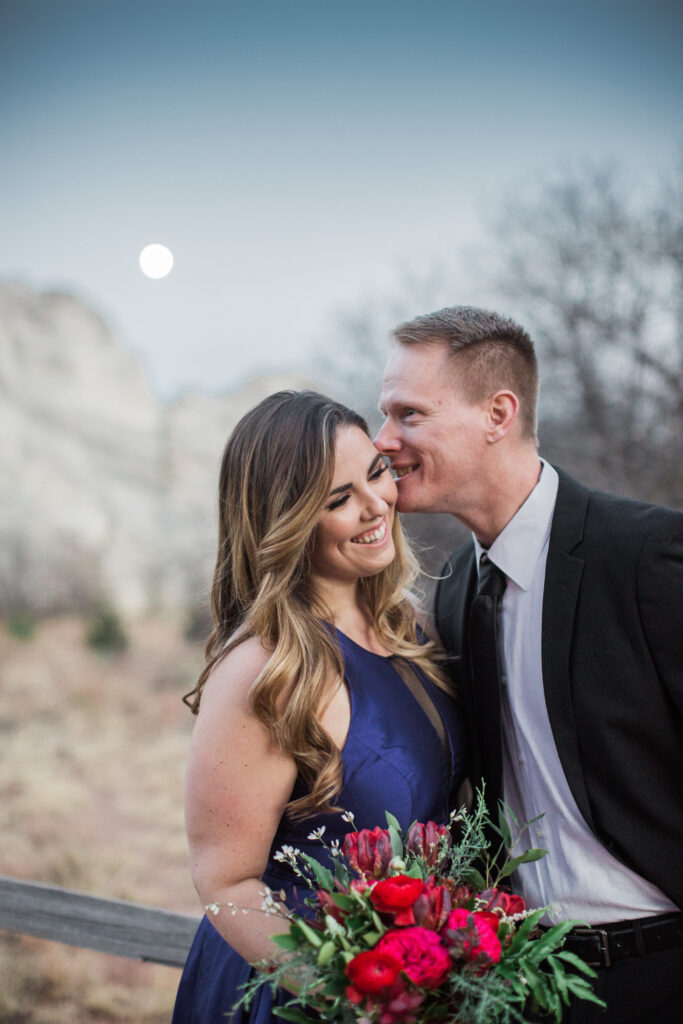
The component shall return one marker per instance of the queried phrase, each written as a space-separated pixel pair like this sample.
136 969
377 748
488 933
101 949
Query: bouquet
412 927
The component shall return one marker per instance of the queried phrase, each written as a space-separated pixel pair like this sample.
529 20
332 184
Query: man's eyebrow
347 487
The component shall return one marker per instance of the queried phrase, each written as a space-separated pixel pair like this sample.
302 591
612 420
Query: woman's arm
238 784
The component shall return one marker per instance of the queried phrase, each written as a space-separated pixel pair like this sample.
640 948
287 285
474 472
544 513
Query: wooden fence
110 926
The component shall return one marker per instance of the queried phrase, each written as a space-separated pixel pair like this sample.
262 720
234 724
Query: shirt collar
517 549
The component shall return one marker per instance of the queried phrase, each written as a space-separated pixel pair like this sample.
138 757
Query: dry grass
91 798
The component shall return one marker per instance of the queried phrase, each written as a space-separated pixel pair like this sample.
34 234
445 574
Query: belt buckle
604 946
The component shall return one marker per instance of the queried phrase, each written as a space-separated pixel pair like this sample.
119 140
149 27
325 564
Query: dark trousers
640 990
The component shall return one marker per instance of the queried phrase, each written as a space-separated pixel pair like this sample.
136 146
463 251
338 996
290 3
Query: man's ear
502 412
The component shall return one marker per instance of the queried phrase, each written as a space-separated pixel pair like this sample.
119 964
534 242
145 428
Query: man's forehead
413 372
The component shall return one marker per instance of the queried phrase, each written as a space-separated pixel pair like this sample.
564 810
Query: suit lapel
562 584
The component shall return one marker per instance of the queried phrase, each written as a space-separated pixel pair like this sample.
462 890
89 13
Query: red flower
507 902
369 851
421 953
396 896
370 972
470 937
432 906
425 840
492 920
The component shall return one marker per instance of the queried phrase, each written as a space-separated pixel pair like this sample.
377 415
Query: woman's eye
378 472
338 503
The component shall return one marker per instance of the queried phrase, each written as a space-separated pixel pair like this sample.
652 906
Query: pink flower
470 937
369 851
396 896
422 954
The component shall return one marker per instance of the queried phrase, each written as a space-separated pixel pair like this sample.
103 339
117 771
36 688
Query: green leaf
377 921
341 873
323 875
553 938
396 841
336 986
343 901
309 933
370 938
536 982
327 951
560 980
524 858
525 929
474 878
289 1013
577 962
505 831
415 871
392 822
287 941
582 990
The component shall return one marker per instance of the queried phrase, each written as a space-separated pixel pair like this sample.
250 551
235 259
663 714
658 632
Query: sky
298 155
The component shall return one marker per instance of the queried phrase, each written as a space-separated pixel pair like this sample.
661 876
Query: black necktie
486 658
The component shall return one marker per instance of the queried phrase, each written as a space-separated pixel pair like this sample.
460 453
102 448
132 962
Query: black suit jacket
612 653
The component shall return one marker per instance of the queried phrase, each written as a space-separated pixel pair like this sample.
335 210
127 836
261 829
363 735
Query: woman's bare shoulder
232 678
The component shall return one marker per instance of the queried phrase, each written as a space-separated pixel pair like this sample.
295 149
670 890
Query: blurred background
318 172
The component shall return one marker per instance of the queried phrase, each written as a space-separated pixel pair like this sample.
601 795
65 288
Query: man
576 712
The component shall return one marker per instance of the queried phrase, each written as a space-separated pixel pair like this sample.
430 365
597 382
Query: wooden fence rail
110 926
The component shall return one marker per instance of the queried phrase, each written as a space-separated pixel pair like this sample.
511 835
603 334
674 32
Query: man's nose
386 440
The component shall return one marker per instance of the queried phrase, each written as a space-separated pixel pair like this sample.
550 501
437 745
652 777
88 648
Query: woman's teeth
371 538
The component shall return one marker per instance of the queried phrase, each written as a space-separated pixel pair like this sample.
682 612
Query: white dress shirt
578 878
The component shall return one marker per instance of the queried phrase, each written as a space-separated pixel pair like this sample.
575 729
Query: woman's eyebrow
347 487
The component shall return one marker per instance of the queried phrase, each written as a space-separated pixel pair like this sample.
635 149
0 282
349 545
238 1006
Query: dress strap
419 692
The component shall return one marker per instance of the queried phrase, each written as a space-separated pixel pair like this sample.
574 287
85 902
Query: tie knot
492 580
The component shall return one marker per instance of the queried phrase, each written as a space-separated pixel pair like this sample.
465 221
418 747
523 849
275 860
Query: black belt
605 944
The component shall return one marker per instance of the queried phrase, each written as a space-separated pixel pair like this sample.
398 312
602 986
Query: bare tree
594 269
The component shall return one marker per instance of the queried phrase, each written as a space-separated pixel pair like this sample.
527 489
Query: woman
303 711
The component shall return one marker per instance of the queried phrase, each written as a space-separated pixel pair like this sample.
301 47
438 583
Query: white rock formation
104 491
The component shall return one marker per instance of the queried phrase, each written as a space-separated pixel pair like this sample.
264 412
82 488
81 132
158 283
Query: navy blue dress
393 760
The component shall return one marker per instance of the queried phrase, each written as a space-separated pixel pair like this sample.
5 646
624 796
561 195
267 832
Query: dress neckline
384 657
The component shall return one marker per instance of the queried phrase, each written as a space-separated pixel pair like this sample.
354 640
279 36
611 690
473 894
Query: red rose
370 972
396 896
425 840
432 906
507 902
470 937
369 851
421 953
492 920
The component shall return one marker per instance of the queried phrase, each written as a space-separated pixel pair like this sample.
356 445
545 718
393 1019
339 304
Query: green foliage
105 632
534 973
22 624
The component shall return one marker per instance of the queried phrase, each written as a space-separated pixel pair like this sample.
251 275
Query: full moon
156 261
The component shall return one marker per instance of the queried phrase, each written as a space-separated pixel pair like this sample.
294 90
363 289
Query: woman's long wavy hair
275 480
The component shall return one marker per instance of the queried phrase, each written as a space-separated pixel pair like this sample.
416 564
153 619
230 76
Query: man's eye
409 412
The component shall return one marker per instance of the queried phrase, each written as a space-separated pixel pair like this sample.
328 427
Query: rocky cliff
105 492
